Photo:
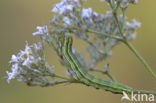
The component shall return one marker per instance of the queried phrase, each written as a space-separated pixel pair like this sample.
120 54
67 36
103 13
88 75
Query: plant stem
67 79
118 24
61 77
148 68
110 36
103 72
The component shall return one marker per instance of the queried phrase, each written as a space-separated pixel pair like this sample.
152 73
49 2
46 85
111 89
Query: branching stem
103 72
130 46
106 35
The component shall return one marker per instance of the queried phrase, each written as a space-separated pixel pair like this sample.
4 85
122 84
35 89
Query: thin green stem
148 68
110 36
135 52
103 72
61 77
68 79
116 18
111 77
118 24
107 70
97 70
50 83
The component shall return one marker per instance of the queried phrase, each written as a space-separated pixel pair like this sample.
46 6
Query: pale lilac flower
109 13
42 31
132 36
76 0
26 52
14 58
11 75
27 61
102 0
86 13
135 1
73 50
71 74
67 20
27 49
63 6
95 14
67 34
125 1
136 23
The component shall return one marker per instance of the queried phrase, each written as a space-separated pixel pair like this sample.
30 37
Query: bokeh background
18 20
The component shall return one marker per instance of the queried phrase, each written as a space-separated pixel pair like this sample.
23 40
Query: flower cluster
122 3
42 31
65 6
86 24
30 65
101 32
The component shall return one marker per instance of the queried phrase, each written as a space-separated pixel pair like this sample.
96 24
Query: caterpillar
91 80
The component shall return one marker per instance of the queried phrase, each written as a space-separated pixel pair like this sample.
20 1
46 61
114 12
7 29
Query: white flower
86 13
41 31
135 1
67 20
95 14
73 50
27 61
11 75
27 49
102 0
109 13
14 58
136 23
63 6
26 52
76 0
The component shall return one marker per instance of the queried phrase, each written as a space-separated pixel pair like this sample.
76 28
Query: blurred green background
18 20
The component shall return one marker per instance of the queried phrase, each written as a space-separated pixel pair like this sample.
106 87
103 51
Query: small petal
27 61
11 75
67 20
41 31
14 58
63 6
27 49
136 23
102 0
86 13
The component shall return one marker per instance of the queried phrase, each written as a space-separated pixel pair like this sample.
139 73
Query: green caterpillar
89 79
